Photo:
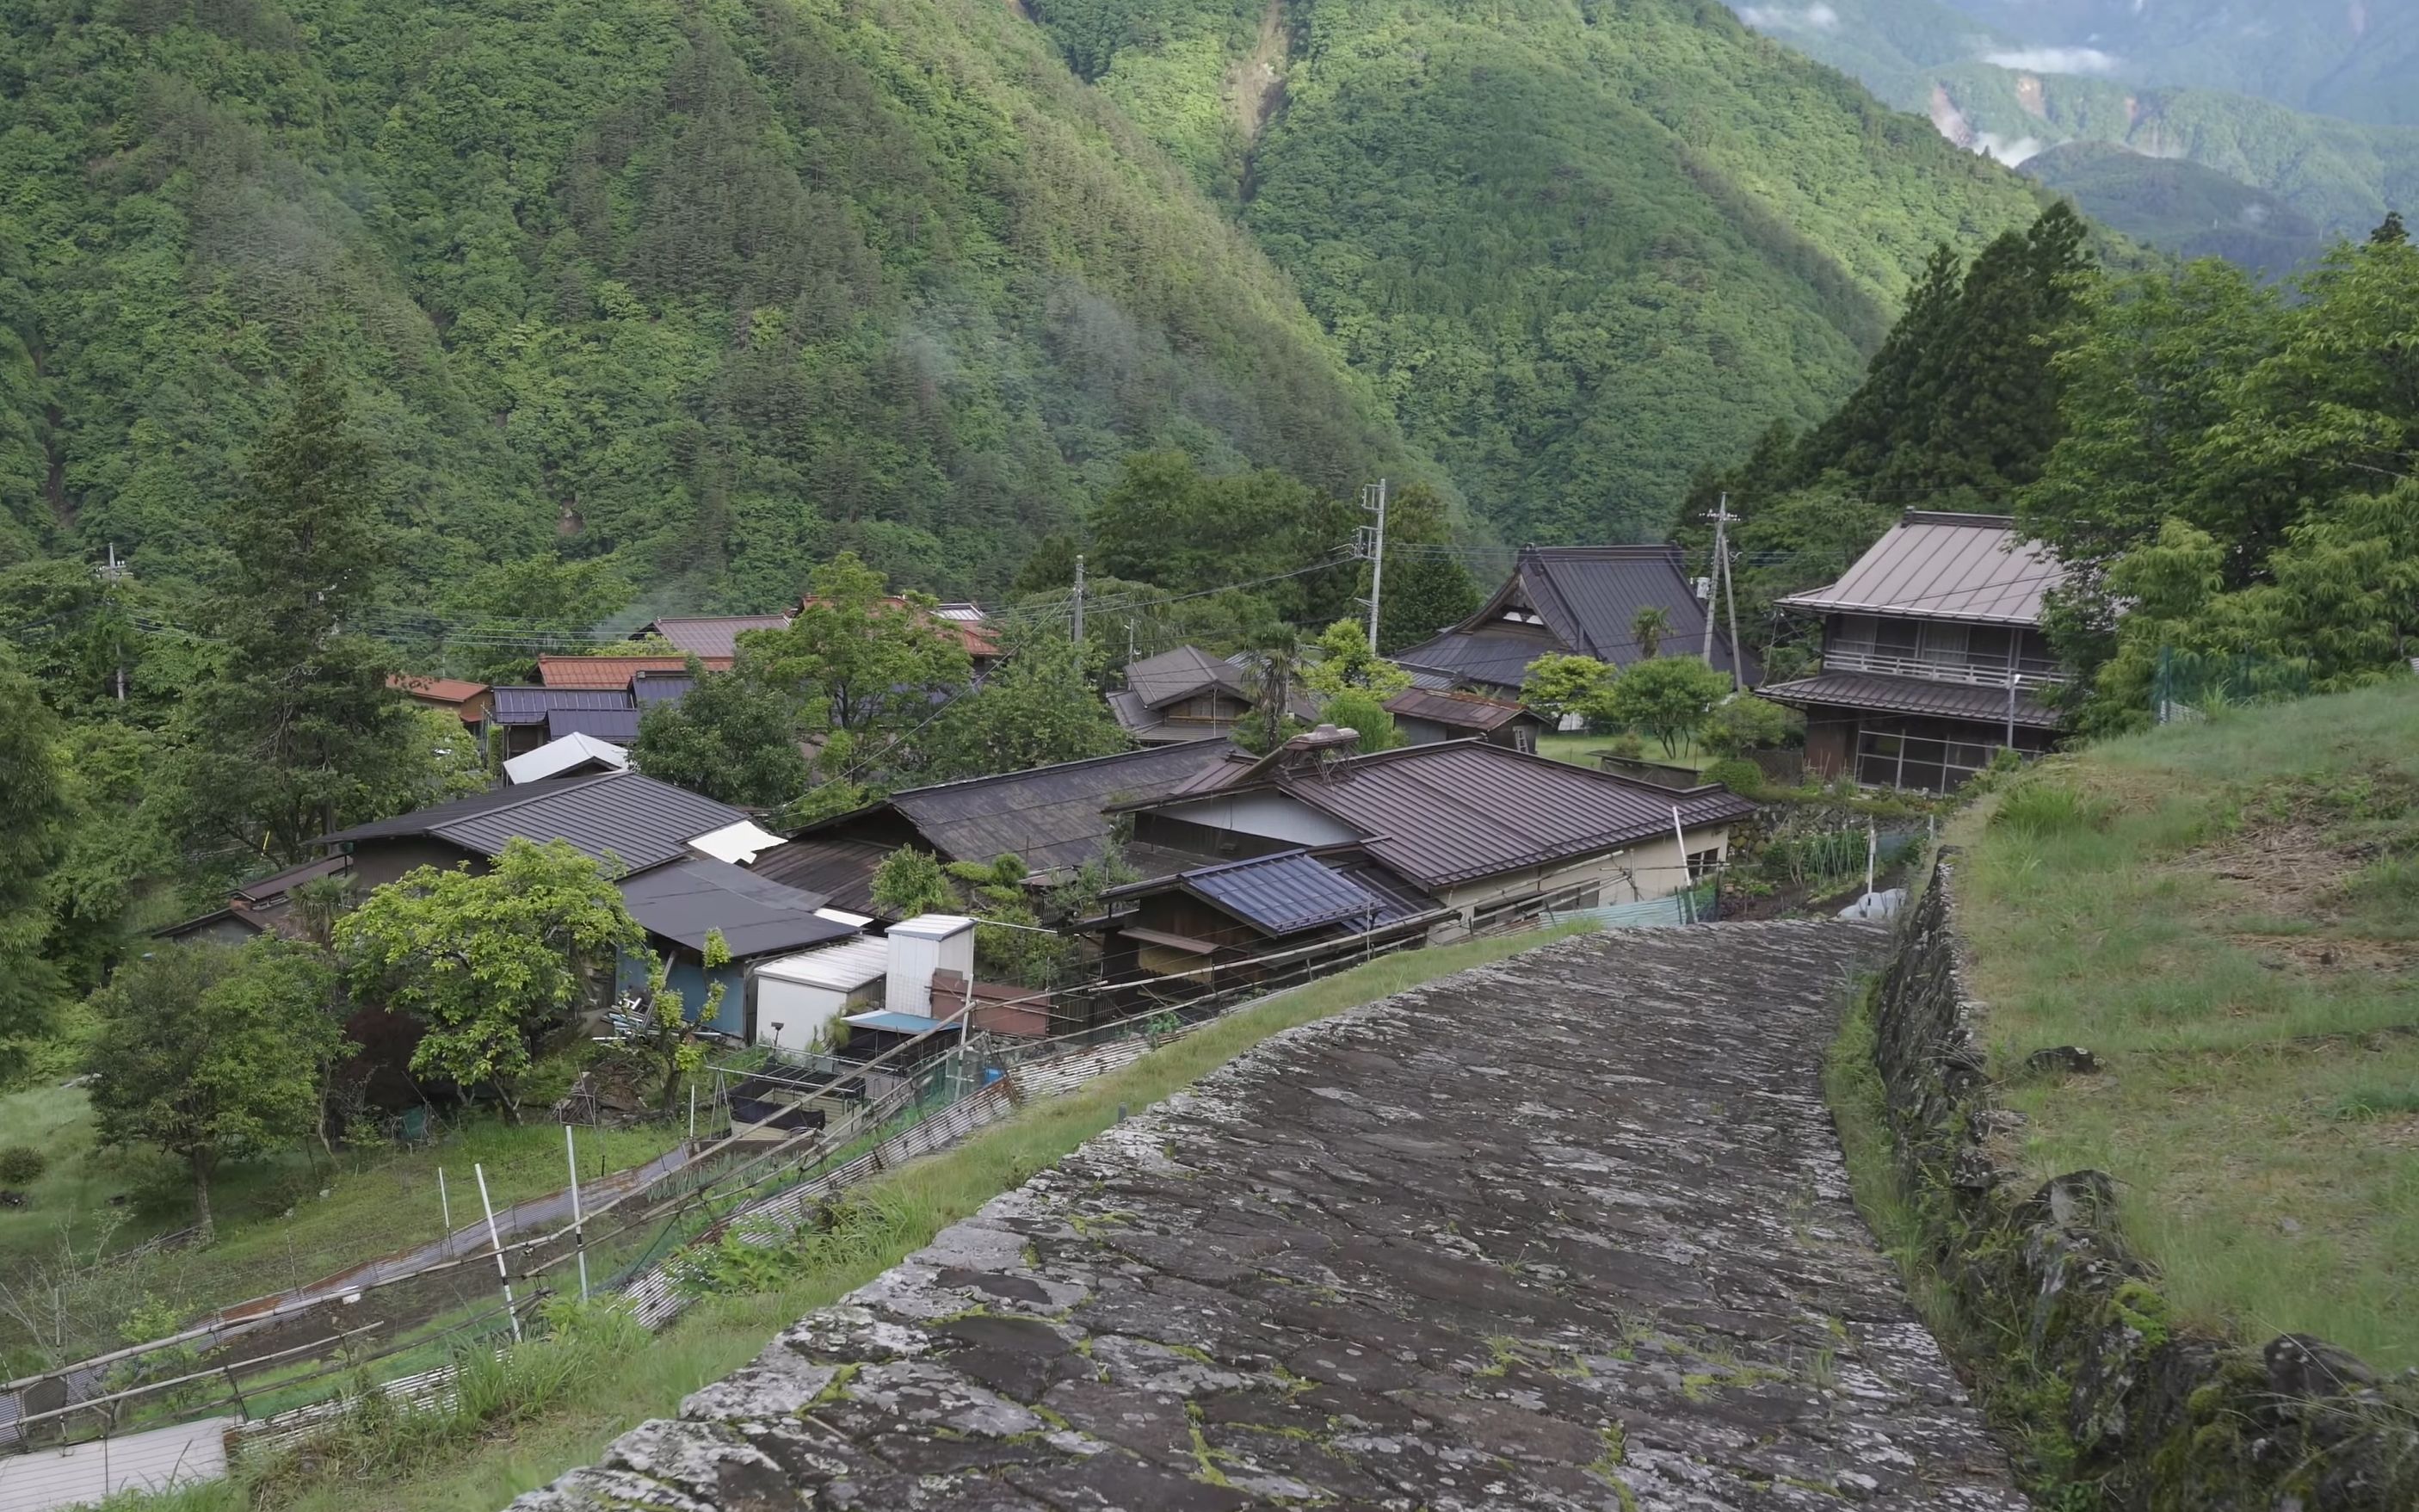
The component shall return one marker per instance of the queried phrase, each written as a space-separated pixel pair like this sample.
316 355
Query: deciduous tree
1558 686
492 961
212 1053
1037 707
733 736
1668 698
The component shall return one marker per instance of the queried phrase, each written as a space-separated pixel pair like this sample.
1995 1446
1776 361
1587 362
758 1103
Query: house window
1703 864
1929 762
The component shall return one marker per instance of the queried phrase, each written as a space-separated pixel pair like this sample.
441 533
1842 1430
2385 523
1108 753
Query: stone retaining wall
2158 1417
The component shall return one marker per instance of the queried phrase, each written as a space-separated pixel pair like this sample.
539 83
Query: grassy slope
2228 915
470 1471
378 1201
1583 248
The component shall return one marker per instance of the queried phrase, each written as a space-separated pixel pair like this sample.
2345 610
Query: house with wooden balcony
1934 656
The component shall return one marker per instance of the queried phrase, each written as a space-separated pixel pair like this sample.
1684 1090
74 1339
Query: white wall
920 946
85 1473
1271 815
1635 873
803 1011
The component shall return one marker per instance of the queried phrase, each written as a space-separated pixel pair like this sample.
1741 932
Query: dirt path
1569 1231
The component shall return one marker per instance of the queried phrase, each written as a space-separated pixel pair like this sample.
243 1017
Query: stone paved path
1570 1232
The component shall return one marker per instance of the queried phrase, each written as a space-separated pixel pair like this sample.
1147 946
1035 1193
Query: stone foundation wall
2158 1417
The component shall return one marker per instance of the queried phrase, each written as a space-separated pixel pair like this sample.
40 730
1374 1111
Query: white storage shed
798 997
921 945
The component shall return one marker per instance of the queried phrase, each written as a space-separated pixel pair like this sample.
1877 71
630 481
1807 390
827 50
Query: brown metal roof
634 820
714 634
447 690
1462 711
1938 566
1442 814
840 869
1913 695
1161 680
605 672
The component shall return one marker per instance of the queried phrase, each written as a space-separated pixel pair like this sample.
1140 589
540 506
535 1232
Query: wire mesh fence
2195 684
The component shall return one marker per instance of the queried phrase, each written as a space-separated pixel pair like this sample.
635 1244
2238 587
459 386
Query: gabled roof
1049 817
685 900
1284 893
1583 599
447 690
1913 695
617 726
634 819
839 867
1450 812
531 705
276 886
1172 675
1973 568
606 671
1462 711
715 637
558 758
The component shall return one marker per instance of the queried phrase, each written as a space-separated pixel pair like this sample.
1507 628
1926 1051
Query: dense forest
1581 250
712 292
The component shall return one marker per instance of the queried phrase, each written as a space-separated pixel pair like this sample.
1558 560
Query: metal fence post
496 1238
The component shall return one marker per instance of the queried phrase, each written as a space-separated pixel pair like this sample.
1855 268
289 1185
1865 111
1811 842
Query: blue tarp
890 1022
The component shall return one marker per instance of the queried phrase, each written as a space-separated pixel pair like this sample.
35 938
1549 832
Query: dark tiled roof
1587 597
1938 566
651 688
635 819
277 885
1451 812
1497 658
1463 711
531 705
1913 695
1286 893
1050 817
841 870
757 915
1164 679
714 634
619 726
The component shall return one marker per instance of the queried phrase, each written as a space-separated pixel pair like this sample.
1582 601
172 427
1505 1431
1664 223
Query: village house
1424 715
1486 834
1211 926
1187 694
1049 818
1934 656
1571 600
466 701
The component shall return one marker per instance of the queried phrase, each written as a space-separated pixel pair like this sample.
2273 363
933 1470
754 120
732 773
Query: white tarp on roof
739 844
568 754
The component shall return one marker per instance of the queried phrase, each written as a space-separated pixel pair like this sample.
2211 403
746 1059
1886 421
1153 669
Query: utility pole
1722 518
1079 600
1369 543
1729 597
111 574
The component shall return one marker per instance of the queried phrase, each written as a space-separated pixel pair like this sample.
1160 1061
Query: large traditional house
1570 600
1481 833
1187 694
1933 659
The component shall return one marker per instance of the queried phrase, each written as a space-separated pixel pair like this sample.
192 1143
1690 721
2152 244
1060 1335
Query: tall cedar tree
296 733
1423 592
33 836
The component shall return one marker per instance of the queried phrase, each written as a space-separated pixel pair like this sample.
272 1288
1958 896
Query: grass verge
2227 915
523 1431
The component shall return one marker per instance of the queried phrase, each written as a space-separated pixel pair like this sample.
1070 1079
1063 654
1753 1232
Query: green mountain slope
2180 204
2018 91
1583 249
716 288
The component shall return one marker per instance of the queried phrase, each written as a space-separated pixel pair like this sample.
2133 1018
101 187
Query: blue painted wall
690 980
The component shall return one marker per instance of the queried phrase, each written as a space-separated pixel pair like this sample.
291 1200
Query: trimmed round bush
1743 778
22 1165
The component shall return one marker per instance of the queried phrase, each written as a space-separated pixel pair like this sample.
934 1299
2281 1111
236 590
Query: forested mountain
1582 249
2327 143
716 290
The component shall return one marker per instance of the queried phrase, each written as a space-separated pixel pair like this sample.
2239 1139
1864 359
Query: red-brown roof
435 690
1462 711
613 672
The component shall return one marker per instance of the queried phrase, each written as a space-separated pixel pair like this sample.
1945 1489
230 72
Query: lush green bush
22 1165
1743 778
2042 806
1750 723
